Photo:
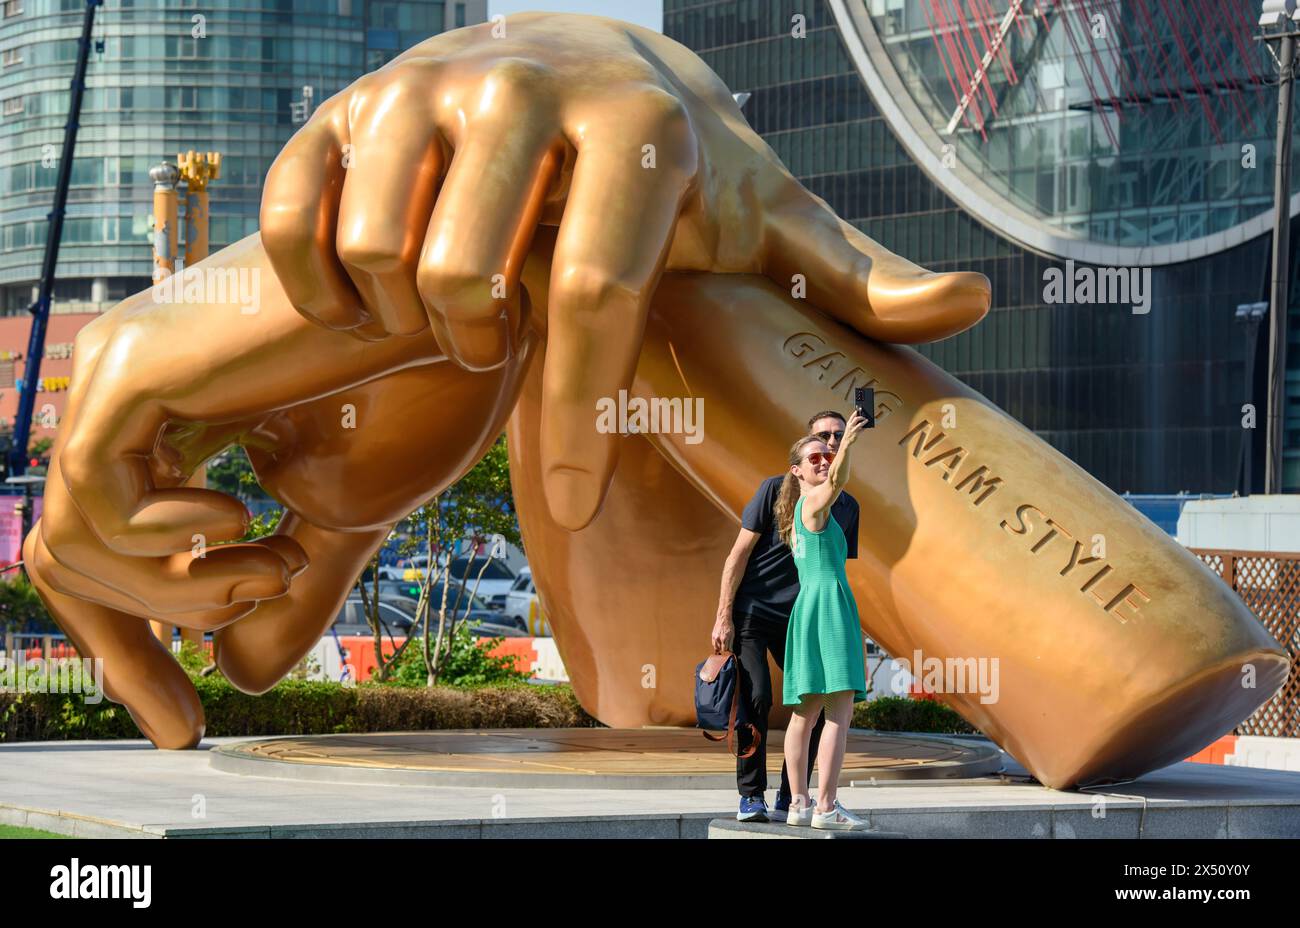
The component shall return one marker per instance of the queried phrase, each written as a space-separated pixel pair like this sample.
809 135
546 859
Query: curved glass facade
1129 124
174 76
1147 403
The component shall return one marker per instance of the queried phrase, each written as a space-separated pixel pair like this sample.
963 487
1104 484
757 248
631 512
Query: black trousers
754 638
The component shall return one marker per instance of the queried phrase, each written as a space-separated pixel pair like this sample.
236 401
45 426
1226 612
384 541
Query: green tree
467 663
262 525
20 606
477 509
230 472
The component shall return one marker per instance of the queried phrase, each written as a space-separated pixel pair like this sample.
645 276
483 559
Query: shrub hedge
304 707
307 707
900 713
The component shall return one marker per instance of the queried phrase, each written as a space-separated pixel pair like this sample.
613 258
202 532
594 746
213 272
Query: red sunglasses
815 459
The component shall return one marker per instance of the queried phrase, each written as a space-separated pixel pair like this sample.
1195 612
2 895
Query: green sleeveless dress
823 643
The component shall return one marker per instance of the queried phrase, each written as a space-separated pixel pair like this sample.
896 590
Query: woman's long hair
788 495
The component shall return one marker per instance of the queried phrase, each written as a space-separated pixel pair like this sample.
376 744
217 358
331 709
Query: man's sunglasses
815 459
826 436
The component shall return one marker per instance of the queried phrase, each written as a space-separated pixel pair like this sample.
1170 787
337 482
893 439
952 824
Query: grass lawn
13 831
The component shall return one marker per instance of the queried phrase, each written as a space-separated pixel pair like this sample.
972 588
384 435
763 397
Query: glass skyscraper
223 75
1092 135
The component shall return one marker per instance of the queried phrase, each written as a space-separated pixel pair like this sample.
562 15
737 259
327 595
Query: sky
648 13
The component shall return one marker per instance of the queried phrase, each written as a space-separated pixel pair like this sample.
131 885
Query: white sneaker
800 816
838 819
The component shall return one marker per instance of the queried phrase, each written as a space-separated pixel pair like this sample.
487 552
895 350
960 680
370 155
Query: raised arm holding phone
824 672
760 585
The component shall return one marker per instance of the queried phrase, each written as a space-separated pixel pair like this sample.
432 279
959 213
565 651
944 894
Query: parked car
493 586
408 592
405 589
395 617
416 566
490 630
524 608
497 580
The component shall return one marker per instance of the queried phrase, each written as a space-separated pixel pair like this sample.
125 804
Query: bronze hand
409 201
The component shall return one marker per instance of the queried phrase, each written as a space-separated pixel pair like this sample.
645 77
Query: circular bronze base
583 758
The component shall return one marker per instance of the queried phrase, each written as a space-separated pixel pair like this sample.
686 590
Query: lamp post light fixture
1278 25
1276 11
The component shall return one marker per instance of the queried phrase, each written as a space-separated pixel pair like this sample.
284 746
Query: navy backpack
717 702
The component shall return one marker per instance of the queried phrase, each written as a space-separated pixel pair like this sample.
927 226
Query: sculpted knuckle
358 100
584 287
88 342
128 338
456 292
518 72
282 226
369 254
52 573
75 466
61 534
668 122
664 108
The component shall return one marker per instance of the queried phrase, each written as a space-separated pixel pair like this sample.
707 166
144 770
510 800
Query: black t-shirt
771 582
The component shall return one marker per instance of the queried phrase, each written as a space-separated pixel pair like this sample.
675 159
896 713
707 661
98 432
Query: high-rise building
1126 144
231 76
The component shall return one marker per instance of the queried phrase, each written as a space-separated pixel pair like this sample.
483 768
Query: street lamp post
1278 25
25 506
1250 315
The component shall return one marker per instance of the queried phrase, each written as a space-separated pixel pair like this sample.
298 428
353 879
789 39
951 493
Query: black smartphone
864 398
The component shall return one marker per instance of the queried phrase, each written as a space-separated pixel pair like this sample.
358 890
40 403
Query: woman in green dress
823 645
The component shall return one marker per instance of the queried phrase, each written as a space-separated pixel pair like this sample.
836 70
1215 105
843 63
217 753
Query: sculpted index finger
613 242
299 220
103 461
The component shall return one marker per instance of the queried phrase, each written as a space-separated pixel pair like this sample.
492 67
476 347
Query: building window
460 15
12 56
13 106
13 8
184 47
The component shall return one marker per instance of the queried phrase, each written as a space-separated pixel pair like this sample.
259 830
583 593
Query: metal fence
1269 584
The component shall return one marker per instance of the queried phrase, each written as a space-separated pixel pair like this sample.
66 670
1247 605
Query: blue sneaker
752 809
782 804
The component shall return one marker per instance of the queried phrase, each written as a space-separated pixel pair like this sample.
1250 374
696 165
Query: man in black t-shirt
759 585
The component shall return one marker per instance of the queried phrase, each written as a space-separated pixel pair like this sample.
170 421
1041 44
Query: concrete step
730 828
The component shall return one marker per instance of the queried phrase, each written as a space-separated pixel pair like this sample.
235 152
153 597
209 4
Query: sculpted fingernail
481 346
290 551
296 560
261 588
573 496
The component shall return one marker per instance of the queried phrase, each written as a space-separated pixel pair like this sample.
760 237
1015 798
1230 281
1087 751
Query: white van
523 605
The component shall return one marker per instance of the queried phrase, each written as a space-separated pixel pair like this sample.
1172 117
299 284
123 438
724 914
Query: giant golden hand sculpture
409 203
484 226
